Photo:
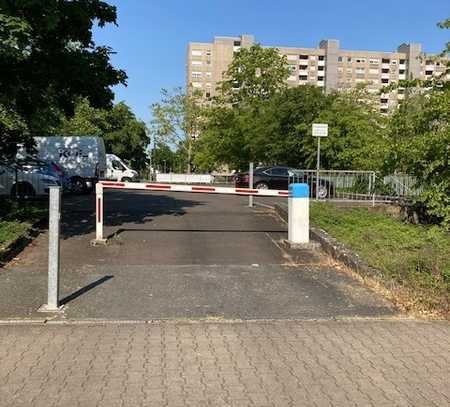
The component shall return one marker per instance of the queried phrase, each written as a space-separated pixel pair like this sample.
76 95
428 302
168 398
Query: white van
83 159
117 170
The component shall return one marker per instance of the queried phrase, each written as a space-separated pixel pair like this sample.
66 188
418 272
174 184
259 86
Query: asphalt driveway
181 255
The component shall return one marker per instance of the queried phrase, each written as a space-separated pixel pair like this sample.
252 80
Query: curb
335 249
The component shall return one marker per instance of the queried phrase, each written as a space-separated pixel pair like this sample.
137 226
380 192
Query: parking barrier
298 201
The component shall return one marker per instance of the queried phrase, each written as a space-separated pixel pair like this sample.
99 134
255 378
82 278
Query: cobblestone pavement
253 363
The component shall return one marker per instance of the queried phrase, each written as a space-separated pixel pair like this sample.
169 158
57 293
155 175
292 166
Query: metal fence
345 185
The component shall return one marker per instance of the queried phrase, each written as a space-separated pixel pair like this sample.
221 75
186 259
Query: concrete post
298 214
250 184
53 250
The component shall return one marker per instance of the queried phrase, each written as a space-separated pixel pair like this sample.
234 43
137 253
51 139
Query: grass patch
414 259
16 219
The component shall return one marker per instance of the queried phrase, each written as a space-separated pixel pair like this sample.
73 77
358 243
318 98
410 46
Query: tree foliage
122 133
176 121
47 60
255 74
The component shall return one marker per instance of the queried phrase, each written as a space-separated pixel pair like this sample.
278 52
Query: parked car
82 159
117 170
26 181
278 177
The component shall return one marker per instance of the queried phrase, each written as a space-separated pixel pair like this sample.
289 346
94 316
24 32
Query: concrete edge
211 321
336 249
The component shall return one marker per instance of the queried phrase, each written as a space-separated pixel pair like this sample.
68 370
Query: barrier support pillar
99 239
298 215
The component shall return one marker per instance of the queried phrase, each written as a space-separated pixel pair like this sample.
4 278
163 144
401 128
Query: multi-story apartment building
327 66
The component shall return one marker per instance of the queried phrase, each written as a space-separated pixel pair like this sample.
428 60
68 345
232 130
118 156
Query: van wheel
23 191
77 185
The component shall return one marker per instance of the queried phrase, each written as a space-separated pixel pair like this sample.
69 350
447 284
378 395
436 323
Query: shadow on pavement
78 215
85 289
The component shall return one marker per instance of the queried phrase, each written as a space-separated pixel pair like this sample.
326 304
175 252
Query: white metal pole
250 184
53 248
298 214
318 168
99 213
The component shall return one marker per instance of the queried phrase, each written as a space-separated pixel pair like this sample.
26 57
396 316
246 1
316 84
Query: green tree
47 59
255 74
122 133
177 120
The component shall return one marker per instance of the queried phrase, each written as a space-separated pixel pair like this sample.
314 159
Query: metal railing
344 185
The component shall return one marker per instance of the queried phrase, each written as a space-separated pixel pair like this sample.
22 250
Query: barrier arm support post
298 215
99 239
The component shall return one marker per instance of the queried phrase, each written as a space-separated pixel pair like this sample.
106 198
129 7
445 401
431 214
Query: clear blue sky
152 35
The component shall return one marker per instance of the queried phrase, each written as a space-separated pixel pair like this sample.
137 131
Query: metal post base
48 308
99 242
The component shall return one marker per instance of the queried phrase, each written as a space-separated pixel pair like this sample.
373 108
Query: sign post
250 184
319 130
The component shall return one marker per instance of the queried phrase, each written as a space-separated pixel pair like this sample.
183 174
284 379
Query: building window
339 59
385 60
303 77
402 61
196 62
196 74
360 70
394 62
303 67
385 70
208 53
374 71
196 53
320 68
303 56
320 78
428 73
402 71
349 59
321 58
208 95
384 80
374 61
208 74
349 70
237 43
384 100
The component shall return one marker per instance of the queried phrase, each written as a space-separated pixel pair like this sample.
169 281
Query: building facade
327 66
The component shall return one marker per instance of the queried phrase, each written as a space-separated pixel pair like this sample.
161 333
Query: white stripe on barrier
192 188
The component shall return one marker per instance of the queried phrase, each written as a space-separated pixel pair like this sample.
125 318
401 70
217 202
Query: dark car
278 177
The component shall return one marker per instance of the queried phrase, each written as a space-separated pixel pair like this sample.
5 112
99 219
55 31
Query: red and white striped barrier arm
192 188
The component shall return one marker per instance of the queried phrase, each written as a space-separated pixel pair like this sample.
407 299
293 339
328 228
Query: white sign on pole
320 130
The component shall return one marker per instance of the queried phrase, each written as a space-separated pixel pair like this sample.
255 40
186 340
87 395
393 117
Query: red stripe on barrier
113 184
247 191
159 186
203 189
283 193
99 206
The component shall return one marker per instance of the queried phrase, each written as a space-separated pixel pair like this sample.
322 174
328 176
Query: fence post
99 214
373 188
53 250
250 184
298 214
